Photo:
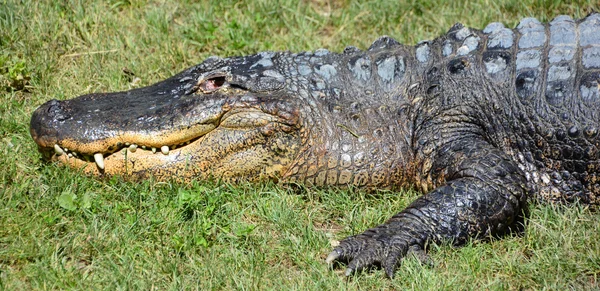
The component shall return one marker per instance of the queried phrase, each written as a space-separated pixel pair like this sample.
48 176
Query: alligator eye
212 84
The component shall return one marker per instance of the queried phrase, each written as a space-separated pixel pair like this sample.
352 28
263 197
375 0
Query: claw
390 273
334 255
390 265
364 259
348 272
393 259
372 248
421 255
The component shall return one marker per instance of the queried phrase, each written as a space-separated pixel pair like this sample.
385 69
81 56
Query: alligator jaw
114 160
232 142
169 130
127 160
99 128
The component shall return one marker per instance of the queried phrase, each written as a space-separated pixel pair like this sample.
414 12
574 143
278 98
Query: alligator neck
357 121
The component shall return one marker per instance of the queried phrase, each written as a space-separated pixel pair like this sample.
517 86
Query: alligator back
532 91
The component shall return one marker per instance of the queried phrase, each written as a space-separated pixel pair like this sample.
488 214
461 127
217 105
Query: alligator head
226 118
307 117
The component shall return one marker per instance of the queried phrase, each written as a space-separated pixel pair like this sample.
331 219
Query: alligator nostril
55 110
53 105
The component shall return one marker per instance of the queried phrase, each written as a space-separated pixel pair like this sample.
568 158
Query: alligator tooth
143 147
154 150
174 147
58 150
126 144
70 155
99 158
132 148
164 150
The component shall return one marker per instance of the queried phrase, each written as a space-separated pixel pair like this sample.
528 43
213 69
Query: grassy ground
61 230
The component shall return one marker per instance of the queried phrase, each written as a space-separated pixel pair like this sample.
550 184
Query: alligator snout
163 115
44 120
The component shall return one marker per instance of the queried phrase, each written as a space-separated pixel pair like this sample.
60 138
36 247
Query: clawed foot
373 249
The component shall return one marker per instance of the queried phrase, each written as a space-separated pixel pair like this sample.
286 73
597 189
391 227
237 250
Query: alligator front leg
483 196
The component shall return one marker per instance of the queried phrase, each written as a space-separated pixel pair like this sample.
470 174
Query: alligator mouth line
130 148
117 149
143 152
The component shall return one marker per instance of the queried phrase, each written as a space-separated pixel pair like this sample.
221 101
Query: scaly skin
481 121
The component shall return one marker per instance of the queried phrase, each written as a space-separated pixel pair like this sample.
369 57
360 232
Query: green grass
62 230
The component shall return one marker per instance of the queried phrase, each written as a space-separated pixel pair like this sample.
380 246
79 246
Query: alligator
483 122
